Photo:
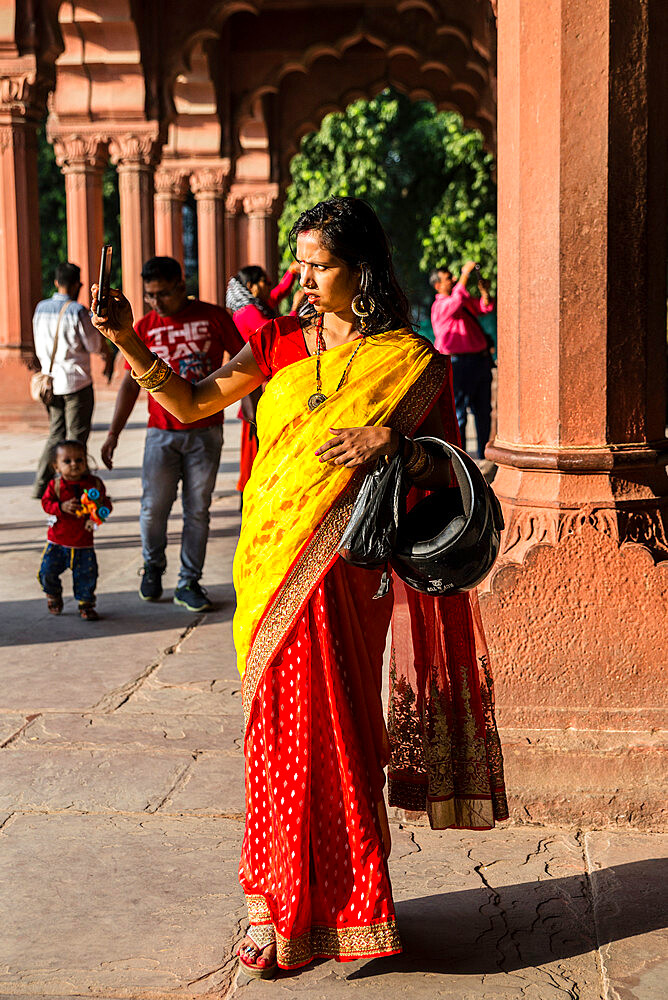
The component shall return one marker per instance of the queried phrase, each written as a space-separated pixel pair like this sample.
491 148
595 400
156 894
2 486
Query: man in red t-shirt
195 338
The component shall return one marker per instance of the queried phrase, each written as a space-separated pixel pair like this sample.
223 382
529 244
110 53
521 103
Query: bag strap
55 339
56 488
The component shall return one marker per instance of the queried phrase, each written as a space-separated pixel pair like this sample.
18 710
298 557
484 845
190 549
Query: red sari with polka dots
314 860
316 842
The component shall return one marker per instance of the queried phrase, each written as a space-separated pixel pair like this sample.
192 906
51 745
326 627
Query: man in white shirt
71 410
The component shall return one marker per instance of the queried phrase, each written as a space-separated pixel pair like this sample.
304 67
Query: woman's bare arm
187 401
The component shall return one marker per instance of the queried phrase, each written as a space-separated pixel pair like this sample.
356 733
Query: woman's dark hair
349 229
250 275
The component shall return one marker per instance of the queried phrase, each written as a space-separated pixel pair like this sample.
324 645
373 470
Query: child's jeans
56 559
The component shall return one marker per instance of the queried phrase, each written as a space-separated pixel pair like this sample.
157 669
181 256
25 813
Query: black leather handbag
446 544
371 532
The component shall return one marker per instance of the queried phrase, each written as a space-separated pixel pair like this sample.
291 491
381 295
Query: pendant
316 400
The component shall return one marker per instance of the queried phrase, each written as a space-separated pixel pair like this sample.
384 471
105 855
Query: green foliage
112 221
52 218
427 177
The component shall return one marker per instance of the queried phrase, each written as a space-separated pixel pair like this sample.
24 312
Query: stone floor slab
88 781
153 698
629 877
132 732
214 786
119 906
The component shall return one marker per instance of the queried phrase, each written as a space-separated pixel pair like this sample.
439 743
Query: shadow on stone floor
481 931
121 613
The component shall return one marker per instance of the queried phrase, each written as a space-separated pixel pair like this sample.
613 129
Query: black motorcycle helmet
449 541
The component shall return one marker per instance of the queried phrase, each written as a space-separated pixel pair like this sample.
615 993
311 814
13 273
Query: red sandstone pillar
233 205
135 154
208 186
82 160
20 266
171 188
262 243
576 607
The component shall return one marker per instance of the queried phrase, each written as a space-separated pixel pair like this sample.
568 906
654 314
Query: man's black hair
166 268
434 275
67 274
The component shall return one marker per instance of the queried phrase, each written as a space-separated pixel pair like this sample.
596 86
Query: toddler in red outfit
70 534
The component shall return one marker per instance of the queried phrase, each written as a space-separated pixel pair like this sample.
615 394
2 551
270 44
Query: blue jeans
83 563
192 458
472 386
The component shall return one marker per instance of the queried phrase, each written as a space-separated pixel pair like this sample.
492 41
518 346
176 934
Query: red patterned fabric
315 748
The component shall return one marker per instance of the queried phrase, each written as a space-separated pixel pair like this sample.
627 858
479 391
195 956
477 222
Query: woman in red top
345 384
253 301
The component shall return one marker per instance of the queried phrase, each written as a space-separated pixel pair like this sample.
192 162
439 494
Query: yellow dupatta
295 507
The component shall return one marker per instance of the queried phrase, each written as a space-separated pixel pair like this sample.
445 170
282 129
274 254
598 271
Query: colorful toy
92 508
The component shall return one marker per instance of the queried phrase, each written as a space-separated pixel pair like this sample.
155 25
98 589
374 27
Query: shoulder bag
41 384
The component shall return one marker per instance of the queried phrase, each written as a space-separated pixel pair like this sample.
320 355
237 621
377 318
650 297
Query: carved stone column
576 607
262 245
171 189
208 185
82 159
135 153
233 209
21 104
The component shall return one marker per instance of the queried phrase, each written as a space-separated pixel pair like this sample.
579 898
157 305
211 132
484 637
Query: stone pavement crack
29 719
180 779
495 901
3 824
113 700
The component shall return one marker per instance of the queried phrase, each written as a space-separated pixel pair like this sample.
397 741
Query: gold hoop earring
362 306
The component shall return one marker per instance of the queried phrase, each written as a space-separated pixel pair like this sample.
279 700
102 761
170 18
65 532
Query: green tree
428 178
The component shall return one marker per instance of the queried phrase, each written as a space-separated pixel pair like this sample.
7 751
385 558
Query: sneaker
193 597
150 588
88 613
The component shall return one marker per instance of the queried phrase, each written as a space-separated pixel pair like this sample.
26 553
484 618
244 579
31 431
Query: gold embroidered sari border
345 943
323 544
258 911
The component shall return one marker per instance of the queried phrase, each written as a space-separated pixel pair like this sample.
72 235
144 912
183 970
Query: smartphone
104 282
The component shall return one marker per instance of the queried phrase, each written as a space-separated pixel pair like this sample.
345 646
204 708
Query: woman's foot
259 963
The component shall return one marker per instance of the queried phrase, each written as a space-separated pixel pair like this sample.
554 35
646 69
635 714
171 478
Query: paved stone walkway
121 809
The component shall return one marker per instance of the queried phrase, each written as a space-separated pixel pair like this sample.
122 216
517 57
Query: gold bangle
155 377
418 461
427 471
148 372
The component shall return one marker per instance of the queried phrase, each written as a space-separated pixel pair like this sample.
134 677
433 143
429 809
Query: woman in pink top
253 302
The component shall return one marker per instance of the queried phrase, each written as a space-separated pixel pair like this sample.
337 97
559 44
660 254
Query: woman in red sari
343 390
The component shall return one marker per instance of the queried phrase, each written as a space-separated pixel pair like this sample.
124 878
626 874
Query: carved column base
576 611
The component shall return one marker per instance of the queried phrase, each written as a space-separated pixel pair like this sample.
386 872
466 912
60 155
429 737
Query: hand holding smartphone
104 281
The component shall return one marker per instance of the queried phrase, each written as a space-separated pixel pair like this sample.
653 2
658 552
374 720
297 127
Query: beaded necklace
318 397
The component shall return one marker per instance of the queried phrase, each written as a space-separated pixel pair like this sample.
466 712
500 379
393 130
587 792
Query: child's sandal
88 613
54 604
